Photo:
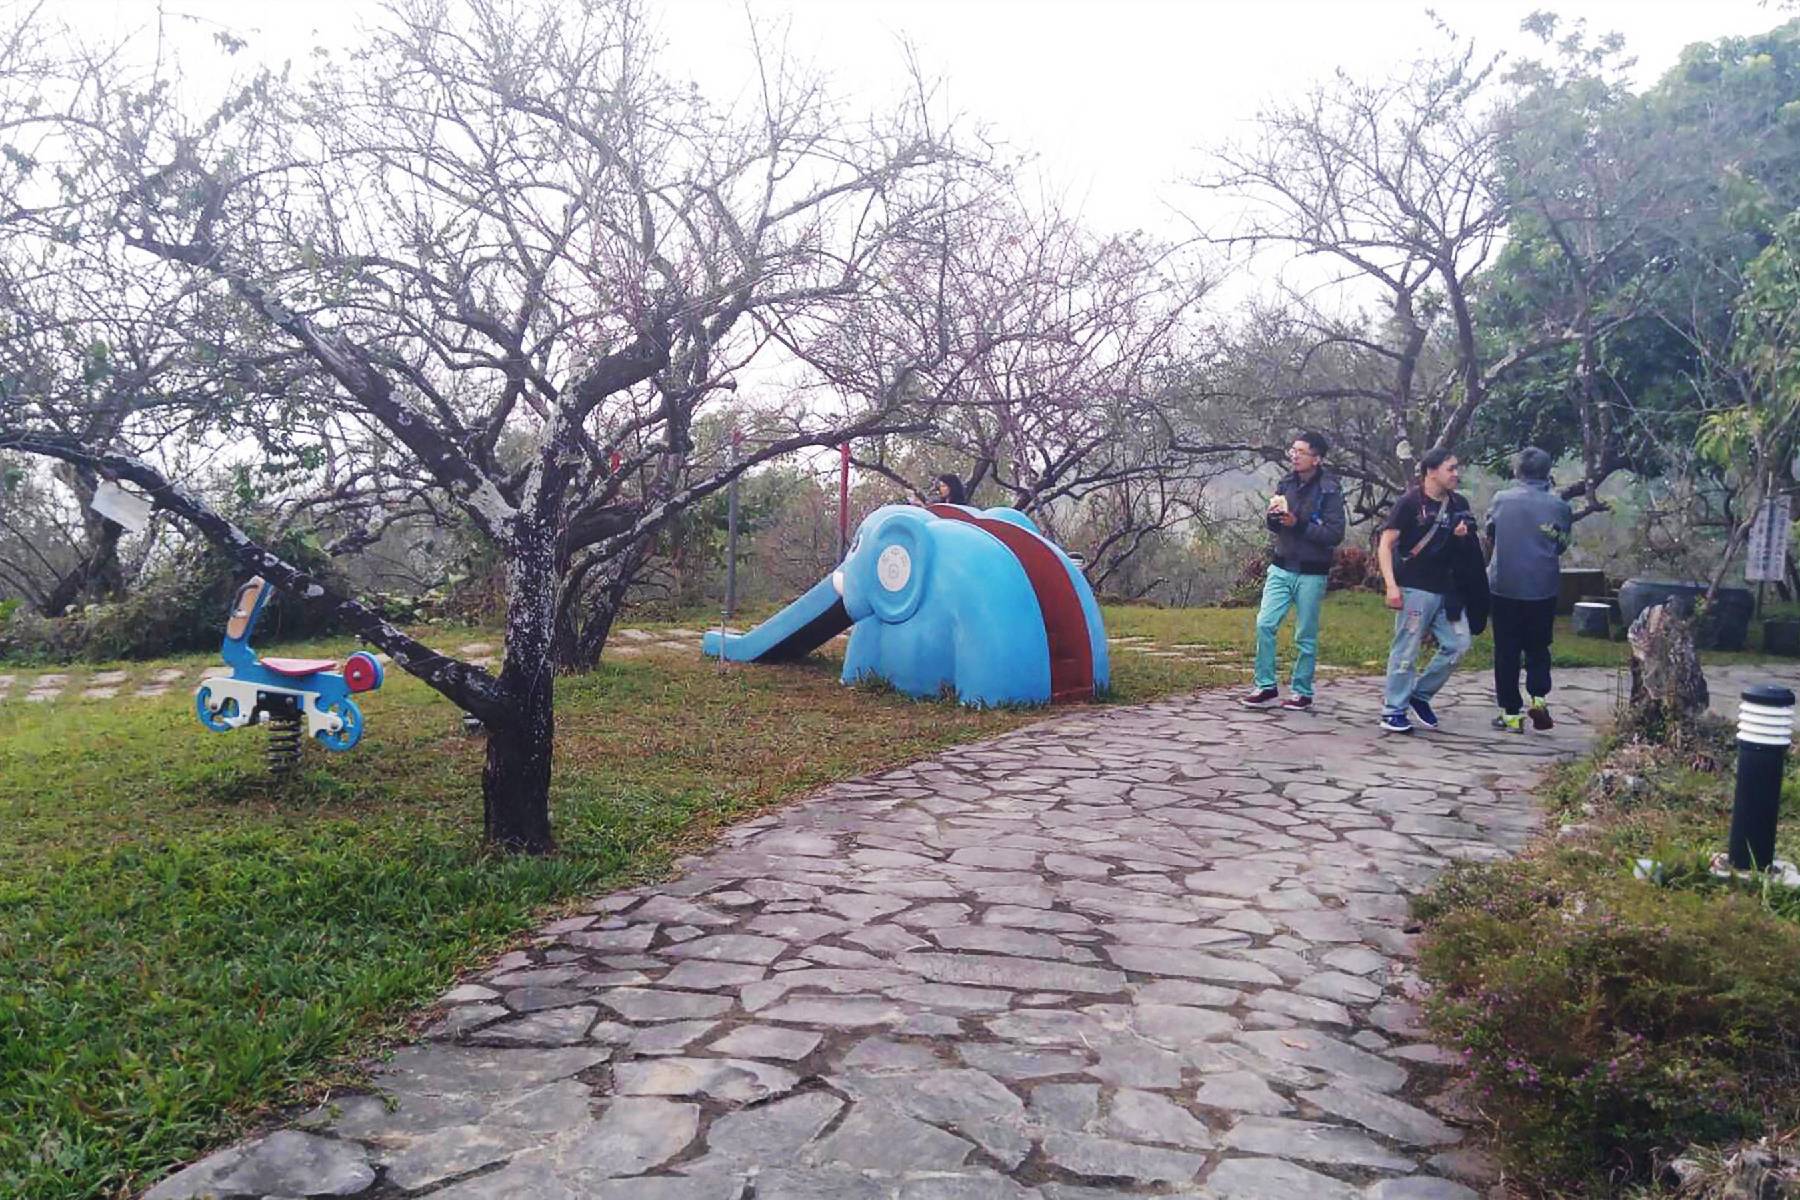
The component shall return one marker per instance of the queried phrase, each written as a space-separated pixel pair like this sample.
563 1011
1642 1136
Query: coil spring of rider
283 754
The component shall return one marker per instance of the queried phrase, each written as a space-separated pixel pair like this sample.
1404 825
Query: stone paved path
1149 951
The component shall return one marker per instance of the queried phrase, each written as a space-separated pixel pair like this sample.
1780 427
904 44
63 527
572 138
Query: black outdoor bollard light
1765 729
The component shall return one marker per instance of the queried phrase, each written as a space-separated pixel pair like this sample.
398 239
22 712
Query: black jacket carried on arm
1318 508
1470 572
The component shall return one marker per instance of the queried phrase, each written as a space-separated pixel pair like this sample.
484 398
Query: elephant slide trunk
793 633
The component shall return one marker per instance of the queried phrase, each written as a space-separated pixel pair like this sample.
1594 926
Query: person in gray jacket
1529 528
1306 515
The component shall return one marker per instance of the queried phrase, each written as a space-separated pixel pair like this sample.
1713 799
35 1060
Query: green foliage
1638 216
1768 341
1606 1019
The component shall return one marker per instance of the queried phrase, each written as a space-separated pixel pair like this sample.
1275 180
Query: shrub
179 607
1247 585
1353 568
1608 1022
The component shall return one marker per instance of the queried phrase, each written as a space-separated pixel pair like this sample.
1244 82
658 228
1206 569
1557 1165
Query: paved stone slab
1152 950
1274 1179
1190 964
1086 1154
1241 1091
1312 1048
434 1070
670 1038
1418 1188
1383 1114
704 976
1313 1142
874 1137
773 1134
555 1027
837 1012
647 1004
739 1080
997 971
1151 1117
767 1041
287 1162
1065 1105
731 947
420 1148
1010 1062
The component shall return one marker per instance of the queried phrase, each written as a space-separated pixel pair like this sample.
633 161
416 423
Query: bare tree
1388 194
523 260
1059 409
83 363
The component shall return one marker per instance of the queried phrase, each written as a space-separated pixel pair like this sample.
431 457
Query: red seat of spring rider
297 666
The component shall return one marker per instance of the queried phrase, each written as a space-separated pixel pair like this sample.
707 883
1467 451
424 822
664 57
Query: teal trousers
1283 590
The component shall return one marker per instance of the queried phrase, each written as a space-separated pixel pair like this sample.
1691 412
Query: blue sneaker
1395 723
1422 710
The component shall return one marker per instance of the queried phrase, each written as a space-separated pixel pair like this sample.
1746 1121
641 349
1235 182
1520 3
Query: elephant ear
900 560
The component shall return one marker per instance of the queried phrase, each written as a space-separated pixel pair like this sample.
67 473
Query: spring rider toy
278 692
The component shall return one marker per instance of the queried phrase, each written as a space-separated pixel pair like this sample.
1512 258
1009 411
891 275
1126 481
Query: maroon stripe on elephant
1065 624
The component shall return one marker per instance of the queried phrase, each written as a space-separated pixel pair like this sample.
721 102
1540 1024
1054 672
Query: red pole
843 500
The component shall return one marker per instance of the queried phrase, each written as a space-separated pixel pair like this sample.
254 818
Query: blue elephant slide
947 598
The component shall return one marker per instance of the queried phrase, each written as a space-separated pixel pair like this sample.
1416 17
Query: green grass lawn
184 944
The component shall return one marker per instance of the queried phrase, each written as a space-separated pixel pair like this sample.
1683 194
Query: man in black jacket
1306 515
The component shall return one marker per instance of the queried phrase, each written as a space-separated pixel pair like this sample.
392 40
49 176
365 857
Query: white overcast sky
1119 97
1116 98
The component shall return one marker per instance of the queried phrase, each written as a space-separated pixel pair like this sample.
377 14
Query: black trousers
1522 630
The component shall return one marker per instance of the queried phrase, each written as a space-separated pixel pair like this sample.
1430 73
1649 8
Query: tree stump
1668 689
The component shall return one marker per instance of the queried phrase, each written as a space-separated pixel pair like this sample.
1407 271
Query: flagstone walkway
1147 951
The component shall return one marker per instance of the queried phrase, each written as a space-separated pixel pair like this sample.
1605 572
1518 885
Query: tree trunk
1668 689
604 610
586 621
98 576
106 574
515 783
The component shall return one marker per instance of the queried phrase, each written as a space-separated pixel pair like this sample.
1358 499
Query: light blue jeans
1283 590
1421 613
